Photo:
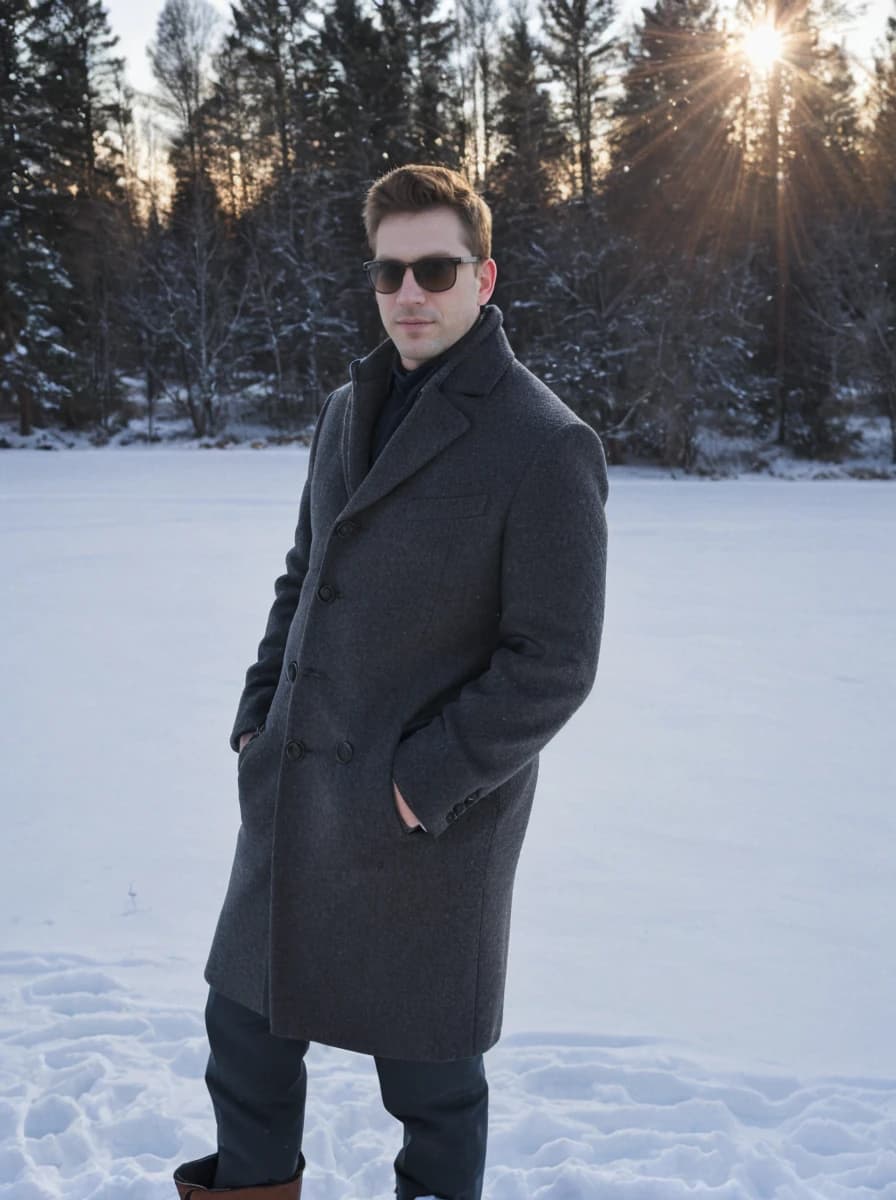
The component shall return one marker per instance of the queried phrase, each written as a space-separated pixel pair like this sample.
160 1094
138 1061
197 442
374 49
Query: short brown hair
418 186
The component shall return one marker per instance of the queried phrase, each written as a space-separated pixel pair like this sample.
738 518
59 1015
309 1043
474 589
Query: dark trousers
257 1083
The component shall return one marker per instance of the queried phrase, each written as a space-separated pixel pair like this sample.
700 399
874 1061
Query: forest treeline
695 248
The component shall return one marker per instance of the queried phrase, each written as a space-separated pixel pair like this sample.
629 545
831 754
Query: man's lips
414 322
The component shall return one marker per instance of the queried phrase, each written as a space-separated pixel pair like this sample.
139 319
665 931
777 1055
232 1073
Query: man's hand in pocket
403 811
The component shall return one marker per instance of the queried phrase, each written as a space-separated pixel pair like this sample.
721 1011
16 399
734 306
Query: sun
762 45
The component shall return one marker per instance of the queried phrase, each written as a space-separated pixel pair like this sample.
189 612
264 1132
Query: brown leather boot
194 1182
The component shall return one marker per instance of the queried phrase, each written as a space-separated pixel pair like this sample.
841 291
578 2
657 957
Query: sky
135 25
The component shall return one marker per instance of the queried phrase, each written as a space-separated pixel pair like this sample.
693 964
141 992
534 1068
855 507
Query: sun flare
762 46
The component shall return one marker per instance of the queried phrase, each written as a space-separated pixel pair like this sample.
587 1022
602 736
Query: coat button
451 816
292 671
344 751
344 528
295 749
326 592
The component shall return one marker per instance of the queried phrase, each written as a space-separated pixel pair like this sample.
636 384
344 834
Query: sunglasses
432 274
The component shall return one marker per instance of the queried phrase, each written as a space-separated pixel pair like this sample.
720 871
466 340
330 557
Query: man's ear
488 274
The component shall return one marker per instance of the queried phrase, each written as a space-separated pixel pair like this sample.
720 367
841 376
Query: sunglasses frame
440 258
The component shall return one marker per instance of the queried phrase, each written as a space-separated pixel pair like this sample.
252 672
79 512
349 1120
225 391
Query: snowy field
702 984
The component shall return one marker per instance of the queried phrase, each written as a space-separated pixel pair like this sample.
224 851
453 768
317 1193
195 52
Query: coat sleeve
262 675
553 570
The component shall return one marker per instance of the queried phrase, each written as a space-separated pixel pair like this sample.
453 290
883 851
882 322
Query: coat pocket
242 755
396 821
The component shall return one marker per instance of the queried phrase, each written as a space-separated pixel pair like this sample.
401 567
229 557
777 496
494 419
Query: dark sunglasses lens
435 274
386 276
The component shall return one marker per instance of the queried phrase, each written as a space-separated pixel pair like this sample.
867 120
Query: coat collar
437 417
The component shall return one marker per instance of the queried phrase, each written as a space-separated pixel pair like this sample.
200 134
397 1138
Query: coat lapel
434 421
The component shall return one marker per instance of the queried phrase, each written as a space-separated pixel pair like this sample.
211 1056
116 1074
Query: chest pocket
404 565
431 508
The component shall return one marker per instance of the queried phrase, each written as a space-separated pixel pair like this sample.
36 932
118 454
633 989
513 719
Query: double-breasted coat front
438 621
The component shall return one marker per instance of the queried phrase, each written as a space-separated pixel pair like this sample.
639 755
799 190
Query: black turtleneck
405 388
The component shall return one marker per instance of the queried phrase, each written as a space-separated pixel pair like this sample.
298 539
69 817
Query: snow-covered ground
703 964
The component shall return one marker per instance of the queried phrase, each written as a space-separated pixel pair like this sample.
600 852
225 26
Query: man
438 621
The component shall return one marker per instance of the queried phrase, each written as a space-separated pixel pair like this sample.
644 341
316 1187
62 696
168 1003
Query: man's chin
418 349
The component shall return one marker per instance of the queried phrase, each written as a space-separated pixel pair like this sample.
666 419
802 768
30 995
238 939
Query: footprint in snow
102 1094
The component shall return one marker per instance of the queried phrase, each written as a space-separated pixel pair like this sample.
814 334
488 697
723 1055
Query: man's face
422 324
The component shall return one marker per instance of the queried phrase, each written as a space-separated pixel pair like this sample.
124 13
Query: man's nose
410 289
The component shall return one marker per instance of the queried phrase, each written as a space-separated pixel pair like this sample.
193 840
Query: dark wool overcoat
439 620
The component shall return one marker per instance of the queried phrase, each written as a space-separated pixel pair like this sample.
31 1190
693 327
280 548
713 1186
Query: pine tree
79 92
426 42
234 161
364 130
361 115
805 173
526 181
25 326
875 279
674 167
80 87
34 285
269 37
576 42
532 145
683 334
